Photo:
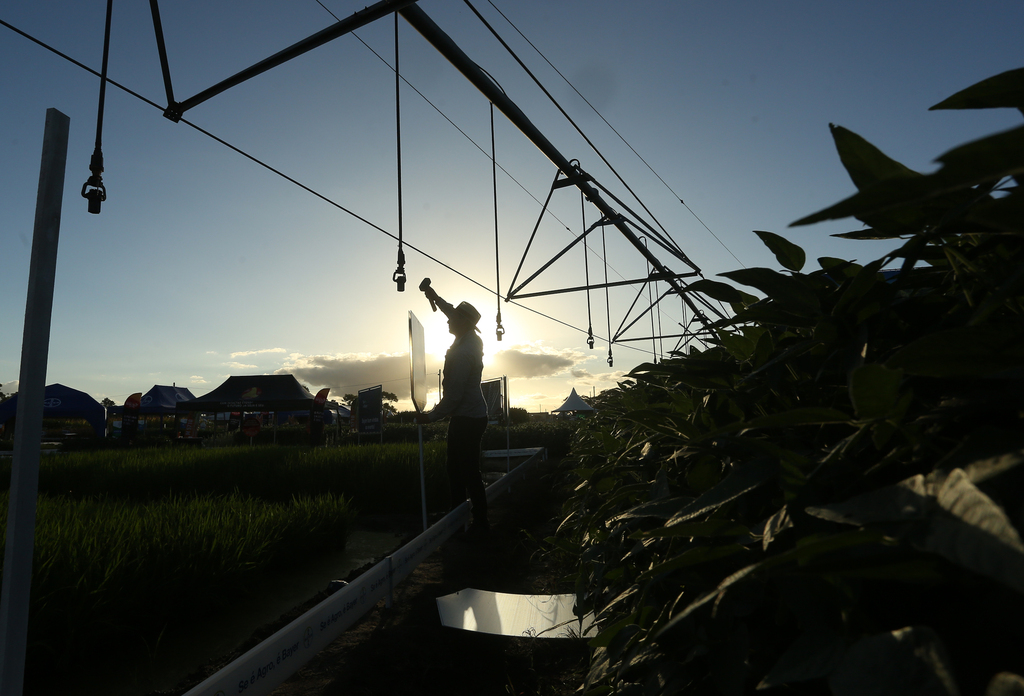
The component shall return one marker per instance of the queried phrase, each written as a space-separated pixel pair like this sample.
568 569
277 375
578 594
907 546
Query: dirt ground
405 650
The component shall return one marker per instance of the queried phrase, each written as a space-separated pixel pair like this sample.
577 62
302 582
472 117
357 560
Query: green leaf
788 254
703 475
608 633
723 292
708 528
741 478
865 280
949 517
1005 214
738 345
864 162
962 352
805 551
773 315
1002 90
978 535
773 526
838 268
868 233
874 390
911 660
815 654
691 557
810 415
788 291
661 509
984 454
982 161
674 424
1002 296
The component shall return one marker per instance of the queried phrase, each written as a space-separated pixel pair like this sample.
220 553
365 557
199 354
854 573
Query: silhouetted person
463 401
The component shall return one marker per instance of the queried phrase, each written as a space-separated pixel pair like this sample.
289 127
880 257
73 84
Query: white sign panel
417 364
498 613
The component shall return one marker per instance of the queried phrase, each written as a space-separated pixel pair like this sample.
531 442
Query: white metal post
423 480
21 514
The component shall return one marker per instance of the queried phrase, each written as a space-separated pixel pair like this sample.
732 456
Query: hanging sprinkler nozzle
98 193
590 337
399 275
500 330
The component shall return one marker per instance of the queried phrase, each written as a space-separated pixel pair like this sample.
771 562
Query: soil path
405 649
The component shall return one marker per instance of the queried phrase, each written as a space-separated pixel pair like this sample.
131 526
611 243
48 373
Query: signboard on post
368 405
417 364
494 396
251 425
495 393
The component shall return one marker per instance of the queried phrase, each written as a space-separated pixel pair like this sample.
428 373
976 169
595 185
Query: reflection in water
264 601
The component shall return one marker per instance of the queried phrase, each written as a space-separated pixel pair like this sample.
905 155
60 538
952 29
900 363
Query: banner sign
316 417
369 404
130 417
192 424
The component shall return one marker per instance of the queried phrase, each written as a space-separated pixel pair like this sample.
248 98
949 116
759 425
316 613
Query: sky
276 254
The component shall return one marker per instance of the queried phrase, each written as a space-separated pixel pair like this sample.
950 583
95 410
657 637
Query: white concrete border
264 667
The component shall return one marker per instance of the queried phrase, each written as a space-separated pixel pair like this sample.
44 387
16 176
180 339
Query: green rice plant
114 568
376 478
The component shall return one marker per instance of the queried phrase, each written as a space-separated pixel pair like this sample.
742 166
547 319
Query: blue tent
63 402
160 400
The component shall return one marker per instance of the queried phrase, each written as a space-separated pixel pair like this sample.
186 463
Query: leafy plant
828 498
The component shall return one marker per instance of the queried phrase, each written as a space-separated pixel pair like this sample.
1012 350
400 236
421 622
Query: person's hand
422 418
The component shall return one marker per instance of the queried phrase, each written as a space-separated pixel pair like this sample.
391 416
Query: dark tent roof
63 402
161 400
164 399
255 393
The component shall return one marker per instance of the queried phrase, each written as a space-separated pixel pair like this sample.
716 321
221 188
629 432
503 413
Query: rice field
129 542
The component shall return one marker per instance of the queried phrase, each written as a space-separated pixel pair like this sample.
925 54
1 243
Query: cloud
531 362
348 373
240 366
615 377
243 353
197 379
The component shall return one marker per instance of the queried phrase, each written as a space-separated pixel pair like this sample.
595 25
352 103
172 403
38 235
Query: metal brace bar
599 286
349 24
557 256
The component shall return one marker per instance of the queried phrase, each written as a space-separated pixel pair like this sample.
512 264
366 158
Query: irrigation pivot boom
419 20
571 174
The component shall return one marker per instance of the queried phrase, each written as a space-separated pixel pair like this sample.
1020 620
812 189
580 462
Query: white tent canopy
573 403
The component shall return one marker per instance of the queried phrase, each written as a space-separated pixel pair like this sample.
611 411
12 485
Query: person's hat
469 313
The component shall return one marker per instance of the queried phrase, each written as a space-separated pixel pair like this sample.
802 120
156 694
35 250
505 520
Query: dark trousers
463 460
